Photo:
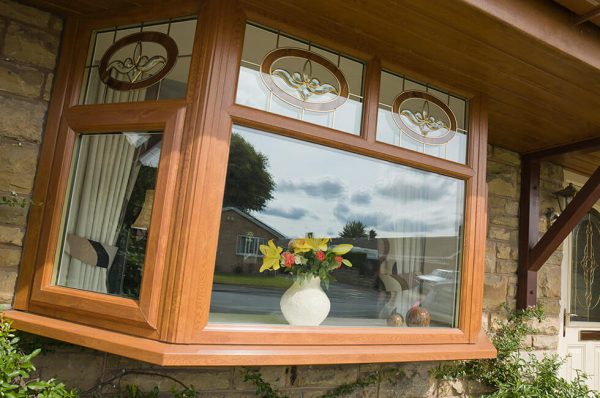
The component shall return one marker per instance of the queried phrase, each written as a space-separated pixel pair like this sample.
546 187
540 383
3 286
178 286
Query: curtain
98 196
404 255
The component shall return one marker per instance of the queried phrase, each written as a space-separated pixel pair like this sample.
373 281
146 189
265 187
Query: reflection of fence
249 245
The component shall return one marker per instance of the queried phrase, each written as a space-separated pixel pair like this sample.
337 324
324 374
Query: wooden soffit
539 71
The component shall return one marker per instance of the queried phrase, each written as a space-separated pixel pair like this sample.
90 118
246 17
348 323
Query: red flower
339 259
288 259
320 255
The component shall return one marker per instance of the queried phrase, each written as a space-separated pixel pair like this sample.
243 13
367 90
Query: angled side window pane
107 212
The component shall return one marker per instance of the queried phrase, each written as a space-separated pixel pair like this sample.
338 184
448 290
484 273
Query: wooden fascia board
581 204
546 23
169 354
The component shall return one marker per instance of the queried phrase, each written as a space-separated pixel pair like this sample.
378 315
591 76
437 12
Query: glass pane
140 60
300 80
422 119
585 285
405 227
107 212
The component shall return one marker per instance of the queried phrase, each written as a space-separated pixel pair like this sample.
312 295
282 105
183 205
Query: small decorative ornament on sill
418 316
311 262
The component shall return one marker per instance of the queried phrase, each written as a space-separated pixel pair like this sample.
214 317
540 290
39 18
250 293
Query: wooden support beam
593 13
528 231
579 147
581 204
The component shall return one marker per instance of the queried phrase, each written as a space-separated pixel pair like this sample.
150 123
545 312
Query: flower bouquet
311 262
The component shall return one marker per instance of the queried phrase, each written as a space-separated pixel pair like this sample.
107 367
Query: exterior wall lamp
563 197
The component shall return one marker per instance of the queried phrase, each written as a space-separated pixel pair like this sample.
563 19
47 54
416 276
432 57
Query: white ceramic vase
305 303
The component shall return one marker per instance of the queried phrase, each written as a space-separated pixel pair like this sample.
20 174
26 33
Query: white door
580 337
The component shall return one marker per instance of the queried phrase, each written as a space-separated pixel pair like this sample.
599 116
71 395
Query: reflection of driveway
346 300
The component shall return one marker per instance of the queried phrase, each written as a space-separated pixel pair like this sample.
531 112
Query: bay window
179 145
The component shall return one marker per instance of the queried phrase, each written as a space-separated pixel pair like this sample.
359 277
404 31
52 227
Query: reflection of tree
249 185
354 229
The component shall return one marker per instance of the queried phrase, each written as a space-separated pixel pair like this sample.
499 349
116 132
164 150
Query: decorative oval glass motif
412 111
304 79
139 70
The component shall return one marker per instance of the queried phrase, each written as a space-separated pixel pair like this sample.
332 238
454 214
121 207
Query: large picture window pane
108 209
405 226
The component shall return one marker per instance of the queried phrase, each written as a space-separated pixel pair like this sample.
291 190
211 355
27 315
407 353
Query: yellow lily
308 244
342 249
271 255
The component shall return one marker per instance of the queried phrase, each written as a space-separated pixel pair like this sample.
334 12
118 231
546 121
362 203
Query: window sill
167 354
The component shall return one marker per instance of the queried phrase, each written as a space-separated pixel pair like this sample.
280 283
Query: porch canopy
537 62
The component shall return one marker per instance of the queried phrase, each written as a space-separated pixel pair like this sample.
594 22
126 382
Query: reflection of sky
319 189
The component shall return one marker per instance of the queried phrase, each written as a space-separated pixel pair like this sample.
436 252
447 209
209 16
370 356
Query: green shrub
514 373
16 368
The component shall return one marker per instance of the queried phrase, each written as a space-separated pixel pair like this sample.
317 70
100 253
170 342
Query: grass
277 281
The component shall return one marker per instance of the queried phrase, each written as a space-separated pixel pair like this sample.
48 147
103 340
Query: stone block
11 234
551 305
56 23
200 378
8 278
504 220
29 45
277 376
502 186
549 282
13 215
10 256
506 156
551 171
550 325
506 251
496 202
80 368
20 80
408 380
451 388
498 233
506 266
543 342
494 291
23 13
490 256
512 208
22 120
48 86
319 376
17 169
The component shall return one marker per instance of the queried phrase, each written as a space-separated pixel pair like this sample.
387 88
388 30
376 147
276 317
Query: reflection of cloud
326 188
416 186
432 222
361 198
294 213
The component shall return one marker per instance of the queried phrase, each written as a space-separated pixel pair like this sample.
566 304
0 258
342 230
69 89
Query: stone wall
502 249
29 41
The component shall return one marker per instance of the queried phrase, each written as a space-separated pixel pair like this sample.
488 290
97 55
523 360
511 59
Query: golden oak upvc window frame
169 324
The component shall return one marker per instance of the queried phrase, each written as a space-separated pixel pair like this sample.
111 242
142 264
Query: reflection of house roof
255 221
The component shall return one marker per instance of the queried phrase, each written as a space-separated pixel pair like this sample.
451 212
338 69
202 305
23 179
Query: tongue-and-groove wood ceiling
544 90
